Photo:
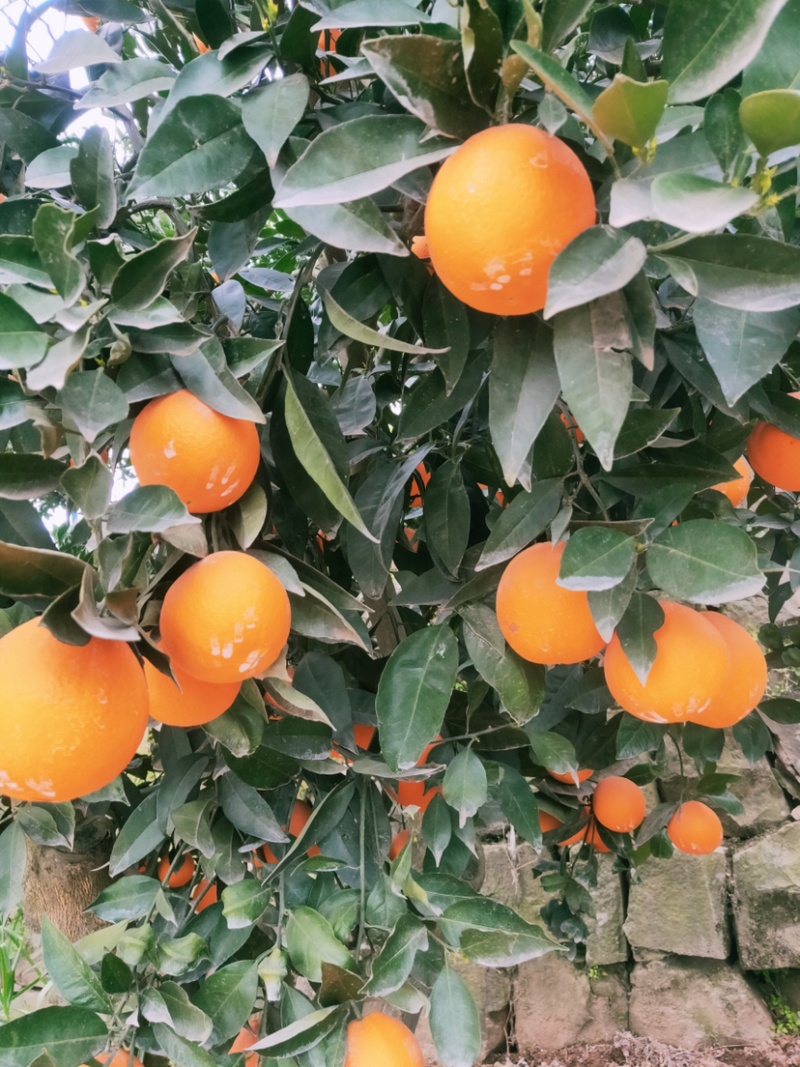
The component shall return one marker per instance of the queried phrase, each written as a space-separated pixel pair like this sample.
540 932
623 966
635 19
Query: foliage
244 233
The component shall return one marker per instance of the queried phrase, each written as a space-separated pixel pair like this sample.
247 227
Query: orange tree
235 408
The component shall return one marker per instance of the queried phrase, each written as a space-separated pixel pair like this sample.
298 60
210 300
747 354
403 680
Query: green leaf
753 737
89 486
37 571
72 977
14 407
698 204
177 955
635 736
361 13
244 903
50 169
151 508
559 20
722 127
272 111
358 226
643 616
179 1050
596 262
54 234
139 836
771 119
310 941
92 401
465 784
24 135
52 825
469 917
779 709
739 271
200 145
426 74
413 694
591 347
358 158
742 346
126 82
446 516
553 751
141 279
609 605
68 1035
92 173
76 48
446 326
27 475
523 386
206 374
518 803
521 522
303 1034
351 327
437 828
483 48
208 75
170 1004
13 857
247 810
228 996
131 897
22 343
775 64
702 744
393 964
427 404
629 110
454 1021
519 684
595 558
20 262
705 562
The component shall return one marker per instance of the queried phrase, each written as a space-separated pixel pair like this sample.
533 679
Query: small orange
182 874
747 680
568 779
775 455
363 735
121 1058
326 42
71 717
419 479
301 813
207 893
225 619
193 704
399 842
419 247
736 489
91 23
201 46
618 804
548 822
208 459
245 1039
378 1040
587 835
414 793
543 622
695 828
500 209
690 669
426 752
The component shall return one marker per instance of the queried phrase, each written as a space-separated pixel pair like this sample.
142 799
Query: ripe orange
193 704
182 874
618 804
363 736
121 1058
548 822
775 456
245 1039
411 793
695 828
499 211
207 893
587 835
419 479
71 717
208 459
568 779
201 46
301 813
573 427
747 680
326 42
541 621
378 1040
91 23
737 489
419 247
399 842
225 619
690 669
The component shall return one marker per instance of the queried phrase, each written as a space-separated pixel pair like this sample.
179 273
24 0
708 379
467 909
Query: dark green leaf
560 19
37 571
358 226
779 709
24 135
518 803
705 562
54 234
271 113
92 401
228 995
92 173
170 1004
89 486
141 279
596 262
67 1035
596 558
310 941
139 836
301 1035
465 784
722 127
72 977
153 508
609 605
446 516
447 328
437 828
521 522
393 964
22 343
636 736
128 81
642 618
247 810
27 475
179 1050
753 736
520 684
553 751
454 1020
129 898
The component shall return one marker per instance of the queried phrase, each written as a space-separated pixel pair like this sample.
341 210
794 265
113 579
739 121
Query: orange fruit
121 1058
695 828
225 619
775 456
419 479
378 1040
568 779
690 669
182 874
541 621
587 835
326 42
500 209
207 893
411 793
548 822
426 752
737 489
618 804
573 427
399 842
245 1039
71 717
208 459
419 247
91 23
747 680
201 46
301 813
363 736
190 702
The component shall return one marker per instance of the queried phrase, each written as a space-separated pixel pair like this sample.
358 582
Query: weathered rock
556 1003
763 799
789 985
766 901
678 906
695 1002
509 879
606 943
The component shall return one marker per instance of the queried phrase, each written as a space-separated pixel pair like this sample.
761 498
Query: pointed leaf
446 515
72 977
393 965
127 81
722 127
518 803
521 522
465 784
596 262
596 558
705 562
271 112
53 232
68 1035
22 343
698 204
13 857
446 328
310 941
629 110
92 401
454 1020
520 684
77 48
92 173
351 327
141 279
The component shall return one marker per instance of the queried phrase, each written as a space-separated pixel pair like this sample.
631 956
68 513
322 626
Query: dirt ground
629 1051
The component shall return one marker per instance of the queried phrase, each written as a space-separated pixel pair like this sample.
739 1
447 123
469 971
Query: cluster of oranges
72 717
